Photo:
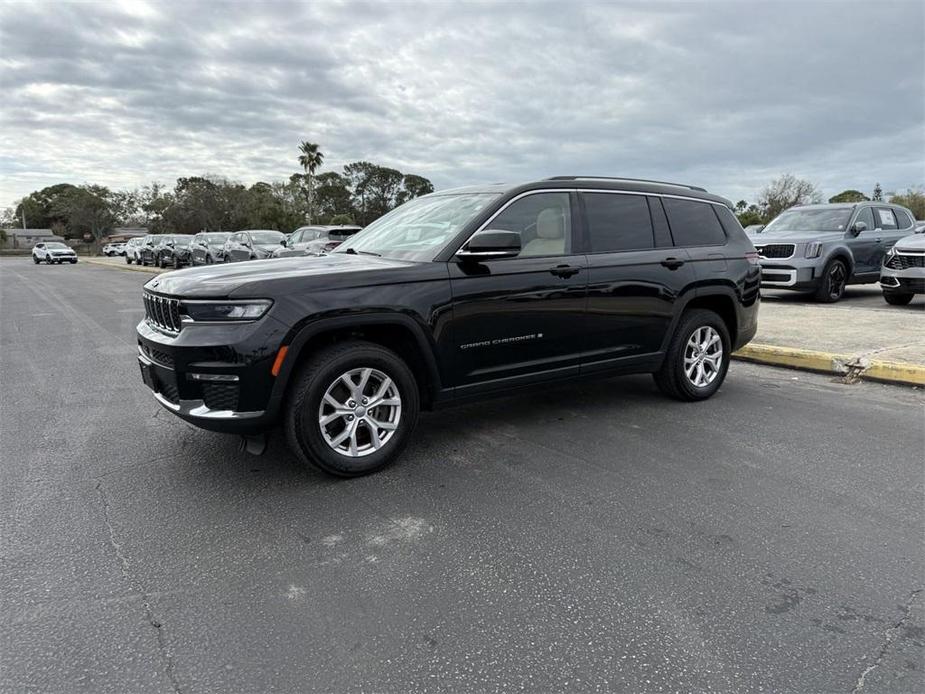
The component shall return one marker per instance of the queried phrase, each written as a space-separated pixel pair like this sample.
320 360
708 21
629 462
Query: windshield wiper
353 251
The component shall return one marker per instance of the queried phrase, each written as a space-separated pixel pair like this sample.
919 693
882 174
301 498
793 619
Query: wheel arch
397 332
717 298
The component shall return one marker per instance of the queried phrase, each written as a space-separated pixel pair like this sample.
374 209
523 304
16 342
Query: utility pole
24 217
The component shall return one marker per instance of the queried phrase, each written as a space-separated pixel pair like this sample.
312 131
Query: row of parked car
206 248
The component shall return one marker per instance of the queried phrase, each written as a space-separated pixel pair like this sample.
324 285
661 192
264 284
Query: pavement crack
125 567
889 636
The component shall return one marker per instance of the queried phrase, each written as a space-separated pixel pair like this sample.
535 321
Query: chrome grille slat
162 312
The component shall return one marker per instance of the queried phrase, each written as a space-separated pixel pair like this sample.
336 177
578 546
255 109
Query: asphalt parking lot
593 537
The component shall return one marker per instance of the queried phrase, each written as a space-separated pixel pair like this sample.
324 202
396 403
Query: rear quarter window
693 223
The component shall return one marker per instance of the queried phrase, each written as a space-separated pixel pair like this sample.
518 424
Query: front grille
220 396
776 250
904 261
160 356
163 312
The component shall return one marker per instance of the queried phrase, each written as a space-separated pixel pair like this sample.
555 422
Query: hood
794 237
267 247
915 242
257 276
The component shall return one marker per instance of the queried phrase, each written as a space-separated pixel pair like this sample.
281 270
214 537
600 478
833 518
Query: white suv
133 249
53 252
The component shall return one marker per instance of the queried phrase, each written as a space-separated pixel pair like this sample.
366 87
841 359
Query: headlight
226 310
813 249
890 253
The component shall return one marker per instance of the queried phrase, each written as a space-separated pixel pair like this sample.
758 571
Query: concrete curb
850 366
126 266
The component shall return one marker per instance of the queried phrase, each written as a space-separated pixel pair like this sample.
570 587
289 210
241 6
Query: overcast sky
721 95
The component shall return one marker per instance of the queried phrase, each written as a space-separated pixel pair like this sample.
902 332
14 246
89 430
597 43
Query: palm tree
310 159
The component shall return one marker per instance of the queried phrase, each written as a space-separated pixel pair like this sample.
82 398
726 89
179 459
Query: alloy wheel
836 279
703 356
359 412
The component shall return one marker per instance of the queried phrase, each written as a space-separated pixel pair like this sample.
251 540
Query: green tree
340 219
310 159
878 193
332 196
849 195
413 186
914 199
784 192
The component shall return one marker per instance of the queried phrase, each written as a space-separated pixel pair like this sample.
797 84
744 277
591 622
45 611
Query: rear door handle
565 271
672 263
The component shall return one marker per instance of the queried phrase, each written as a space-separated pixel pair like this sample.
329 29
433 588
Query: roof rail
620 178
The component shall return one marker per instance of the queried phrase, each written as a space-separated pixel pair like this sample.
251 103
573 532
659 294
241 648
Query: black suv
453 296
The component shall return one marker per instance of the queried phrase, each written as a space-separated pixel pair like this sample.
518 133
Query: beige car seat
550 234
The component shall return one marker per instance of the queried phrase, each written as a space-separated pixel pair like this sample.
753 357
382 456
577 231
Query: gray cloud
721 95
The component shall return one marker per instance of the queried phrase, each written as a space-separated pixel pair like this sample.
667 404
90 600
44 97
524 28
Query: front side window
543 221
693 223
617 222
866 216
419 229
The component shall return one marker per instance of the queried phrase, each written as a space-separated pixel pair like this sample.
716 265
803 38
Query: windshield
54 244
835 219
419 229
216 238
266 236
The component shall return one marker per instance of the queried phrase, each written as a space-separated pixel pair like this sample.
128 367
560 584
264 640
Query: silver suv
823 248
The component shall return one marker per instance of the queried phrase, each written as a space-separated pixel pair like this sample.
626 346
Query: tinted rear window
693 223
617 222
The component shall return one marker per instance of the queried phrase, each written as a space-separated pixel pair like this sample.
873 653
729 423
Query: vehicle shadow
279 467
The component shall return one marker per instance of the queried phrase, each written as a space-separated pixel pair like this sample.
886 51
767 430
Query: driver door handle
565 271
672 263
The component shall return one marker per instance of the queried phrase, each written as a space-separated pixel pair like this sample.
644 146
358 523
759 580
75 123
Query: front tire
128 260
834 280
697 360
897 298
35 260
351 409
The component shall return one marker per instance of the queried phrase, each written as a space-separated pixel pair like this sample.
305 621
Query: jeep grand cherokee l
455 296
822 248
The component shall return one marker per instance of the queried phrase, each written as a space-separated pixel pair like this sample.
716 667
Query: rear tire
208 260
834 280
897 299
689 372
313 425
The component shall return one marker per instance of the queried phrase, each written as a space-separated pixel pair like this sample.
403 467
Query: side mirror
489 244
857 228
760 229
284 243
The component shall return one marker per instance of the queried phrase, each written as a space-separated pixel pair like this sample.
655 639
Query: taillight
752 257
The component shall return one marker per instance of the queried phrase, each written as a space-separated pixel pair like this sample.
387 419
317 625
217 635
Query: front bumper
911 280
179 370
791 274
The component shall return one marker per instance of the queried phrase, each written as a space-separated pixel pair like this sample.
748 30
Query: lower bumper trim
198 409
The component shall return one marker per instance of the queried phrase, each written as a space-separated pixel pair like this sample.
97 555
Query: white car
132 250
53 252
902 275
111 249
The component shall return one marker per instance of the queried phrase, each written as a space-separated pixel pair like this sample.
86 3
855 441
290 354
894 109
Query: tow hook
255 444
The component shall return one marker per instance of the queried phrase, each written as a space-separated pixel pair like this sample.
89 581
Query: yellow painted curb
126 266
829 362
